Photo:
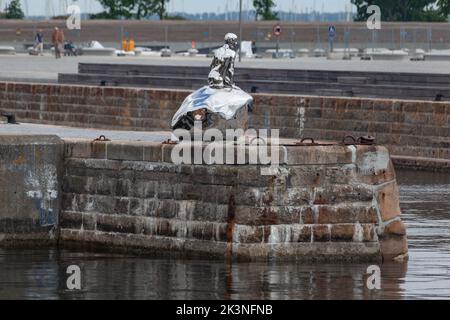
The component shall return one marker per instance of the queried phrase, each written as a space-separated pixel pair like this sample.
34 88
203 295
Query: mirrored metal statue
221 104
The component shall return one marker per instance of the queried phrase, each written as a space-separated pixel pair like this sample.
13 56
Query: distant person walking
58 42
39 42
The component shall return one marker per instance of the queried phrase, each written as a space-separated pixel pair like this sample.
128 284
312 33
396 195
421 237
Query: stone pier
324 202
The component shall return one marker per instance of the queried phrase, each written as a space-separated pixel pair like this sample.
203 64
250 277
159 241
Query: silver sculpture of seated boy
221 104
222 66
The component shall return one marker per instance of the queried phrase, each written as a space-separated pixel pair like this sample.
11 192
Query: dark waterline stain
425 201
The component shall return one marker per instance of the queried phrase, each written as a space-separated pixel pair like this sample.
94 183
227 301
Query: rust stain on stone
98 148
231 221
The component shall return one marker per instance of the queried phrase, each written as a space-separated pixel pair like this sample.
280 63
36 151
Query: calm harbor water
425 200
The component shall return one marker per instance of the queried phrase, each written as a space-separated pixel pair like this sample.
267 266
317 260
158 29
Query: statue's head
231 40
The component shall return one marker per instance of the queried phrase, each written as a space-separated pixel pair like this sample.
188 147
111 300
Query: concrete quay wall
417 133
30 189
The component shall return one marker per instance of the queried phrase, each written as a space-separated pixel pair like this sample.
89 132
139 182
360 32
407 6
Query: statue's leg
215 79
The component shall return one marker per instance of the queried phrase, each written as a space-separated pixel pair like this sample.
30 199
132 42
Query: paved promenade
91 134
23 67
81 133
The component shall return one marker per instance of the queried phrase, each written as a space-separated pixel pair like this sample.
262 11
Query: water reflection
425 200
42 274
35 274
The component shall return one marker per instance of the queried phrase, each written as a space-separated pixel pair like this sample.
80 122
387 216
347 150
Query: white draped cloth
225 101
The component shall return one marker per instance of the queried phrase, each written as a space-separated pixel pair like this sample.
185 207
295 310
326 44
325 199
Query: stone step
354 80
334 92
409 92
273 74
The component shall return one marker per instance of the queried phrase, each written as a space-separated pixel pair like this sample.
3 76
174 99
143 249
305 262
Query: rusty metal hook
344 141
102 138
302 142
305 139
366 140
311 143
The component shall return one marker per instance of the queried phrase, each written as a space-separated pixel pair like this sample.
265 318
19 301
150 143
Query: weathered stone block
342 193
372 160
121 206
100 185
248 234
116 224
381 177
74 184
321 233
71 220
262 216
201 211
167 210
153 152
30 183
121 187
136 207
125 151
347 213
343 232
318 155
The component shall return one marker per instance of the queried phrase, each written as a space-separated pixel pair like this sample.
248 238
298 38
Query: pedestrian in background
58 42
39 42
61 40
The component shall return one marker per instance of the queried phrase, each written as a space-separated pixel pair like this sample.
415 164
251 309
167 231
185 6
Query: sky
56 7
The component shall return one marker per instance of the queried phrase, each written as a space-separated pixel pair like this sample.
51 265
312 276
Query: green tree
444 7
128 9
264 10
14 10
144 8
403 10
160 8
115 9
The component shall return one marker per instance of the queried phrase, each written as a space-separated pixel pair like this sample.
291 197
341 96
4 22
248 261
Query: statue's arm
232 72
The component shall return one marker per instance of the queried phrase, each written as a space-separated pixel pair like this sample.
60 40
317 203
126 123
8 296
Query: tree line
13 11
132 9
405 10
139 9
398 10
